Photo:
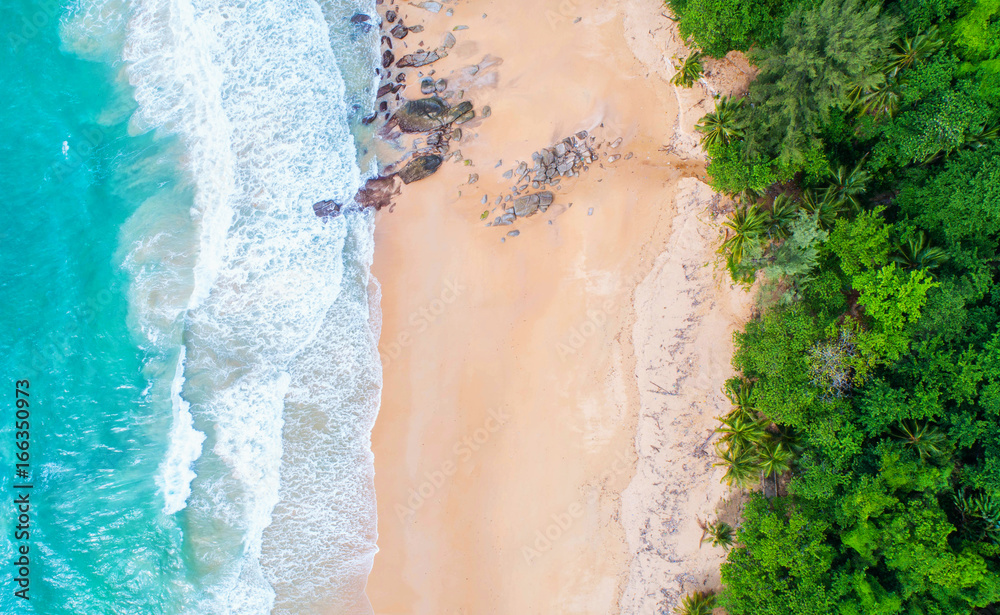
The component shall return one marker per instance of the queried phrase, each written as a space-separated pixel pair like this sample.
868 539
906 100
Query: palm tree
782 213
775 459
989 133
697 603
979 513
689 71
847 185
826 208
741 466
747 223
741 431
928 441
916 253
738 391
719 533
912 50
882 100
723 125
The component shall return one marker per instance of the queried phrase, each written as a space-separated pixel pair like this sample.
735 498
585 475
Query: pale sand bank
508 428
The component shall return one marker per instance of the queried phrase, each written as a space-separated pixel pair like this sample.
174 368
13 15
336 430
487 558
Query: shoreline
505 448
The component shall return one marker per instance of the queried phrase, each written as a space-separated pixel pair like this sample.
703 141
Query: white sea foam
275 310
175 476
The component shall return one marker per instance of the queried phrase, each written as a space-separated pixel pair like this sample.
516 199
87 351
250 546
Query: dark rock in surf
377 192
422 115
387 58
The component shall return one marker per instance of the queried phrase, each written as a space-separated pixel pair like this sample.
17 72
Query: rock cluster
525 206
568 158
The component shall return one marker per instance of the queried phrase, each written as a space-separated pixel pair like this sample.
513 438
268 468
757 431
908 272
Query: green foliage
977 33
718 26
941 111
696 603
823 54
719 533
732 170
722 126
689 71
878 374
892 299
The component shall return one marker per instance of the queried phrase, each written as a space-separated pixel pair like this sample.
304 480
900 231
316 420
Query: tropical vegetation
865 421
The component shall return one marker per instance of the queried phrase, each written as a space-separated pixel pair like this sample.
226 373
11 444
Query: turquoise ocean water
200 347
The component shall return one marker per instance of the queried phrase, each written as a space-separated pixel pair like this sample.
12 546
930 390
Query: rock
421 58
383 106
377 192
460 113
487 111
401 78
473 178
369 119
560 149
613 158
387 41
581 135
508 218
431 6
390 16
460 28
441 85
419 168
326 209
422 115
485 199
616 142
416 29
359 18
508 174
382 91
399 31
513 233
590 212
564 168
387 58
456 135
449 41
526 205
545 198
427 86
522 168
628 156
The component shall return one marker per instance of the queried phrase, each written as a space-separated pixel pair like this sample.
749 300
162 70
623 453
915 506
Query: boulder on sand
419 168
529 204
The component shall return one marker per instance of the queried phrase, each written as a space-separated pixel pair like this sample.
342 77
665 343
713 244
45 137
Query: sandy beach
543 444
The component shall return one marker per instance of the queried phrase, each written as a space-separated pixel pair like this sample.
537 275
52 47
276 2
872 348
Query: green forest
865 164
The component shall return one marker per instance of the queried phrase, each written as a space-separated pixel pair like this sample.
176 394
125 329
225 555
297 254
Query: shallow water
201 347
